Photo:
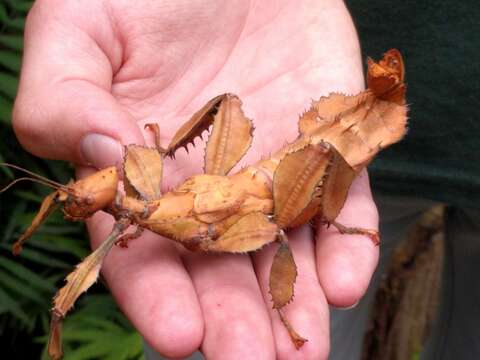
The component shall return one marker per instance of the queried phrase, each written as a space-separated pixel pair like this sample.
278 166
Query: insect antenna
8 186
34 178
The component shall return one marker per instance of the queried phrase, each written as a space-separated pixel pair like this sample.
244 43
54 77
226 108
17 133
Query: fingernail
101 151
347 307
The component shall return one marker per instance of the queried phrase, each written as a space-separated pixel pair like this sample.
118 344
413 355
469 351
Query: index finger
345 263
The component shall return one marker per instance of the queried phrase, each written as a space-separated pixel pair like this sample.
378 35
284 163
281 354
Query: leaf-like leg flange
48 205
78 281
250 233
199 122
372 234
335 186
143 169
295 182
282 280
282 274
313 180
230 138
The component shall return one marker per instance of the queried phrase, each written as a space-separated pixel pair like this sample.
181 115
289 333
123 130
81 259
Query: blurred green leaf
59 244
5 113
8 85
108 337
106 340
10 60
99 304
12 222
25 274
14 42
19 5
9 304
39 258
28 195
9 282
11 23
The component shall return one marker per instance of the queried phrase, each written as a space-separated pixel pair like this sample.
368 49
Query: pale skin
109 67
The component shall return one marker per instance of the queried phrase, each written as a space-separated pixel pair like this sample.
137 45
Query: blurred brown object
407 299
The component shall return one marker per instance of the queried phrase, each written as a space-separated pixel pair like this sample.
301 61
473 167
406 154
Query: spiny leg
282 279
372 234
124 239
297 340
84 276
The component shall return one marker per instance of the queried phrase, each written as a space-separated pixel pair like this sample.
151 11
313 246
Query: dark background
440 40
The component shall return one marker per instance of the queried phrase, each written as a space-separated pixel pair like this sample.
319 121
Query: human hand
95 72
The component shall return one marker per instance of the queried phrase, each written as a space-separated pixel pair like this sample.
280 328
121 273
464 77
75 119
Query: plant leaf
12 306
12 283
20 5
40 258
8 85
11 23
5 115
60 244
14 42
11 60
25 274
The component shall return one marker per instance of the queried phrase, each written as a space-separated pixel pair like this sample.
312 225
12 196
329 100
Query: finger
64 108
152 287
308 312
345 263
237 325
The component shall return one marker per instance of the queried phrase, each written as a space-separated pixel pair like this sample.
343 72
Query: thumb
64 107
77 121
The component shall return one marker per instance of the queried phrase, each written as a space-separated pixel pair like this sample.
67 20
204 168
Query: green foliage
87 336
96 329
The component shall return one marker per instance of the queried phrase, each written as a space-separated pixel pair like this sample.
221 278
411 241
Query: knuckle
23 117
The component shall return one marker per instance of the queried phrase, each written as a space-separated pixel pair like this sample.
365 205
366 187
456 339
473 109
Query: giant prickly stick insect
237 213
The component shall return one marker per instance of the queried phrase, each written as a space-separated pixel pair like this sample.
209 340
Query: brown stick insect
240 212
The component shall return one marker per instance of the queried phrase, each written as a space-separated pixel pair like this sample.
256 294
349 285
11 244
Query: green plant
97 329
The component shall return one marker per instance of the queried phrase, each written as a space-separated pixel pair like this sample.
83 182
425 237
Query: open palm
95 72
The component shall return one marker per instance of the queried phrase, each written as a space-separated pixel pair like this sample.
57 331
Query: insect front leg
124 239
85 275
